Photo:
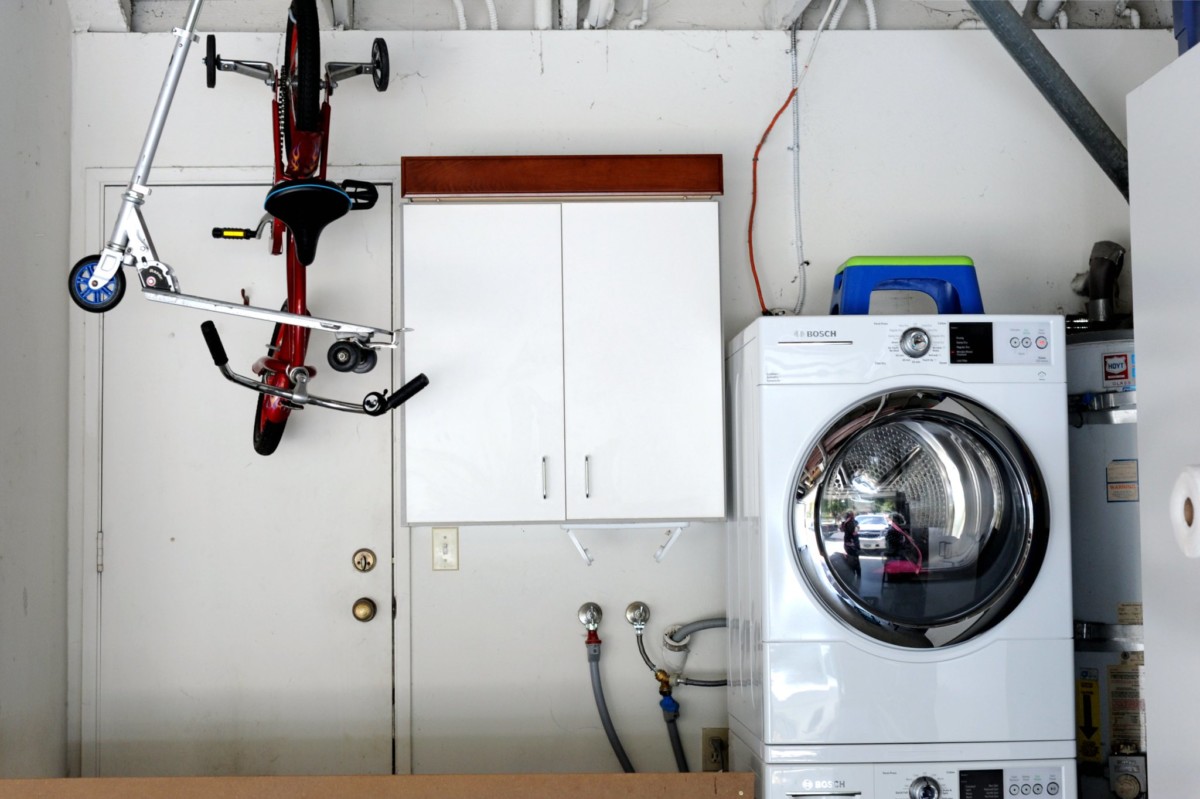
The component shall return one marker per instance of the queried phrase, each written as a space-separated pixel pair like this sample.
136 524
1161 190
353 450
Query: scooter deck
387 338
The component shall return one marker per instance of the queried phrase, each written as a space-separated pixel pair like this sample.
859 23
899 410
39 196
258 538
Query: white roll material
1184 511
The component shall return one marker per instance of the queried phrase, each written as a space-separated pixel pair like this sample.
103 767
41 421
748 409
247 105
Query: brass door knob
364 609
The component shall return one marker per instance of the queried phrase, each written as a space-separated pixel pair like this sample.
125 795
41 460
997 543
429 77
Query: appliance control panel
1016 342
1044 779
942 781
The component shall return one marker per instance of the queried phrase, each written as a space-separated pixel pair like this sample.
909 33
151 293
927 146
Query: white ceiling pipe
493 20
462 15
543 13
599 13
568 10
634 24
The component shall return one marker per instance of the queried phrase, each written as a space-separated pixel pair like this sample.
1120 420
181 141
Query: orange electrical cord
754 198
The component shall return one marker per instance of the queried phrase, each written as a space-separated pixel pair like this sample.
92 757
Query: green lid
908 260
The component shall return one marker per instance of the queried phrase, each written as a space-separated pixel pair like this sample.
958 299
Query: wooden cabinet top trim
569 176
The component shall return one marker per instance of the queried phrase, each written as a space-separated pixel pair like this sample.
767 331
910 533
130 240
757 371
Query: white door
227 643
643 353
483 294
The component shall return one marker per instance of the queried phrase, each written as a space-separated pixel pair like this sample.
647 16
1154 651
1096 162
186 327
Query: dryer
951 677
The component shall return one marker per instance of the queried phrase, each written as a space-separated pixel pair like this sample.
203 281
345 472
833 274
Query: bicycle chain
281 102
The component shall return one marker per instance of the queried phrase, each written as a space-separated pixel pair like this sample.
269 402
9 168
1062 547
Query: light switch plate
445 549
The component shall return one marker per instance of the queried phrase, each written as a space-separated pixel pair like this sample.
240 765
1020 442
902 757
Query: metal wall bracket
673 531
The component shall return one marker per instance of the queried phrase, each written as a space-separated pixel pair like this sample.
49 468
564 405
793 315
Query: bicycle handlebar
374 404
215 347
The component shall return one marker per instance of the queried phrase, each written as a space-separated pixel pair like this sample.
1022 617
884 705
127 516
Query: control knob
1127 786
924 788
915 342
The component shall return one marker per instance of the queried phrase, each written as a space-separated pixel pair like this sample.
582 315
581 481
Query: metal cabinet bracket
673 531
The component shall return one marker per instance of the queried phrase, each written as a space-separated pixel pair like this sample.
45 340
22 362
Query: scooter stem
163 105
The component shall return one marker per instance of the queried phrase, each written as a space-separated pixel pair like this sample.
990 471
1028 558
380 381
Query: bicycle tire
302 66
267 433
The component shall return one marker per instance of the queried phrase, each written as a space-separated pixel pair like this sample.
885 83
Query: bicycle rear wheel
301 85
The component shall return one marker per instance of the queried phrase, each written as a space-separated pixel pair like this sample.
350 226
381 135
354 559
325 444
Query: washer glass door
920 518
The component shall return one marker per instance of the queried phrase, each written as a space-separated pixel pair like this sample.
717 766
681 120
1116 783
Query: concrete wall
912 142
35 58
264 15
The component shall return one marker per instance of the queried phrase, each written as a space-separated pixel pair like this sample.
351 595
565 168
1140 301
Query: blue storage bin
949 281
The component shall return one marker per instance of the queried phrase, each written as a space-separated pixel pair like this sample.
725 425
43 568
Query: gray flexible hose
704 624
642 650
1057 87
677 746
703 683
602 707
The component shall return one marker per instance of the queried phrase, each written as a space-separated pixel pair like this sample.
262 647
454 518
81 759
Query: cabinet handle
545 489
587 476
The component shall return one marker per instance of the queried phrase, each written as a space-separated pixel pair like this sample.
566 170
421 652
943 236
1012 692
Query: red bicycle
300 204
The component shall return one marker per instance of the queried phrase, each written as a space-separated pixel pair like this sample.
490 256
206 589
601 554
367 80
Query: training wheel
343 355
381 68
367 358
210 61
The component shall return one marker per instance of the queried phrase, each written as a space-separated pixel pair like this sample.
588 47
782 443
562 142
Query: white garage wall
34 129
913 142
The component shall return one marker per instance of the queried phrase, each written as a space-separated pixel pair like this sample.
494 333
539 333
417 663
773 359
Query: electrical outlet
714 748
445 549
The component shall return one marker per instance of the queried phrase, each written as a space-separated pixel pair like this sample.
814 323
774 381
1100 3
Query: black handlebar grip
234 233
407 391
215 348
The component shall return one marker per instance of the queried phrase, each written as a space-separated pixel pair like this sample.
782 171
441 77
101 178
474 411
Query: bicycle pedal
235 233
363 195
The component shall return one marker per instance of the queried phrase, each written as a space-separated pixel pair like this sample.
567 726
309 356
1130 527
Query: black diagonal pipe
1058 89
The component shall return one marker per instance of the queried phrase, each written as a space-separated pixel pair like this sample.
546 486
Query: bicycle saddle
306 207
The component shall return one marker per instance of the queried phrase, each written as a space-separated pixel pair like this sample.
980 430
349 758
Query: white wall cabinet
574 357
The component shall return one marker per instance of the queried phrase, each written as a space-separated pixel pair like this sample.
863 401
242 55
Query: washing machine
935 659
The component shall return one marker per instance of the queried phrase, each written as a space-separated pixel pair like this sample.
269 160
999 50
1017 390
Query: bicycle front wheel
268 433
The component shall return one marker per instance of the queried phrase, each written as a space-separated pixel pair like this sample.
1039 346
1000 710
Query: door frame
85 449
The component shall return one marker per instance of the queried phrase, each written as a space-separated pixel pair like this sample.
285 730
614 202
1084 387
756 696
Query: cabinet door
483 294
642 347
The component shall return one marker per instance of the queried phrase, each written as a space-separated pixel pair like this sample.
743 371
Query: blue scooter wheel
94 300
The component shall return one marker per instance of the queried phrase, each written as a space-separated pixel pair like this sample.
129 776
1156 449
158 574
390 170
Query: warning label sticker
1122 478
1087 720
1129 613
1126 706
